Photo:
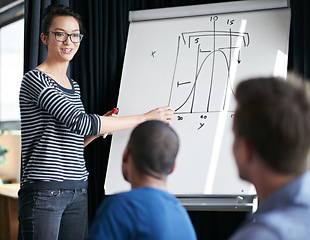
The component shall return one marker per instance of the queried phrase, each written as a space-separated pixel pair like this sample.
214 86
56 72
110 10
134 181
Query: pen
114 111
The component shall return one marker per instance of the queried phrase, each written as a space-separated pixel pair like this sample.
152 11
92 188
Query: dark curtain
97 67
299 48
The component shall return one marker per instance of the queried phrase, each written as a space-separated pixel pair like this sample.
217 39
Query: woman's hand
108 113
110 124
163 114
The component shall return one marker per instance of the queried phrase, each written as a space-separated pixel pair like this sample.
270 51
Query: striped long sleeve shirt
53 125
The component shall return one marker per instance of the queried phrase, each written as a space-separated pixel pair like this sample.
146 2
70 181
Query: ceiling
3 3
10 11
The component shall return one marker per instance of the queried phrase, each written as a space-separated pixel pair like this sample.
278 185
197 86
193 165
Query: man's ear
125 166
247 150
126 154
43 38
172 169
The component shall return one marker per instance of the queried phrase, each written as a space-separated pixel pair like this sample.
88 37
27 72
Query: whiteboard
193 64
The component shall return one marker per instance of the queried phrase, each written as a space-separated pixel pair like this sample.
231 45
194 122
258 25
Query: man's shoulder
285 222
139 193
140 197
122 197
254 231
116 198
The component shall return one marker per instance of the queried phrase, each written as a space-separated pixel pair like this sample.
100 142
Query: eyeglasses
62 37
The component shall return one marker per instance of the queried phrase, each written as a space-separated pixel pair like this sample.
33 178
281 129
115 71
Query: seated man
272 140
148 211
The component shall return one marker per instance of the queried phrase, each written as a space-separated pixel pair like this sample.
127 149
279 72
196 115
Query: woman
55 130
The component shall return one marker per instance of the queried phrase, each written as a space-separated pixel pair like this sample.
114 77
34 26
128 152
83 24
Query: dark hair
154 146
273 114
53 11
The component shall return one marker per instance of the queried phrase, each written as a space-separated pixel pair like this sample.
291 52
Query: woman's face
57 50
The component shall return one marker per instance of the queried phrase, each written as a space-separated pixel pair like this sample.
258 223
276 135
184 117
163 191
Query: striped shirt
53 125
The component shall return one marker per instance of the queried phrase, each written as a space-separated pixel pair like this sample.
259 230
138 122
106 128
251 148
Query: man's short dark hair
273 114
154 146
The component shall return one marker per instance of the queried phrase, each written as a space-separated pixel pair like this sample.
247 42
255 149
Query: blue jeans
53 214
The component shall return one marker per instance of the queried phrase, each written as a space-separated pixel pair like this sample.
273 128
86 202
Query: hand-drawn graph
202 80
194 63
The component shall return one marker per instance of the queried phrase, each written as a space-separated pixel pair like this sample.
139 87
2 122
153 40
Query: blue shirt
143 213
283 215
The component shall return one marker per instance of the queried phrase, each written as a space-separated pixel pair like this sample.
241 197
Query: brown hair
273 114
